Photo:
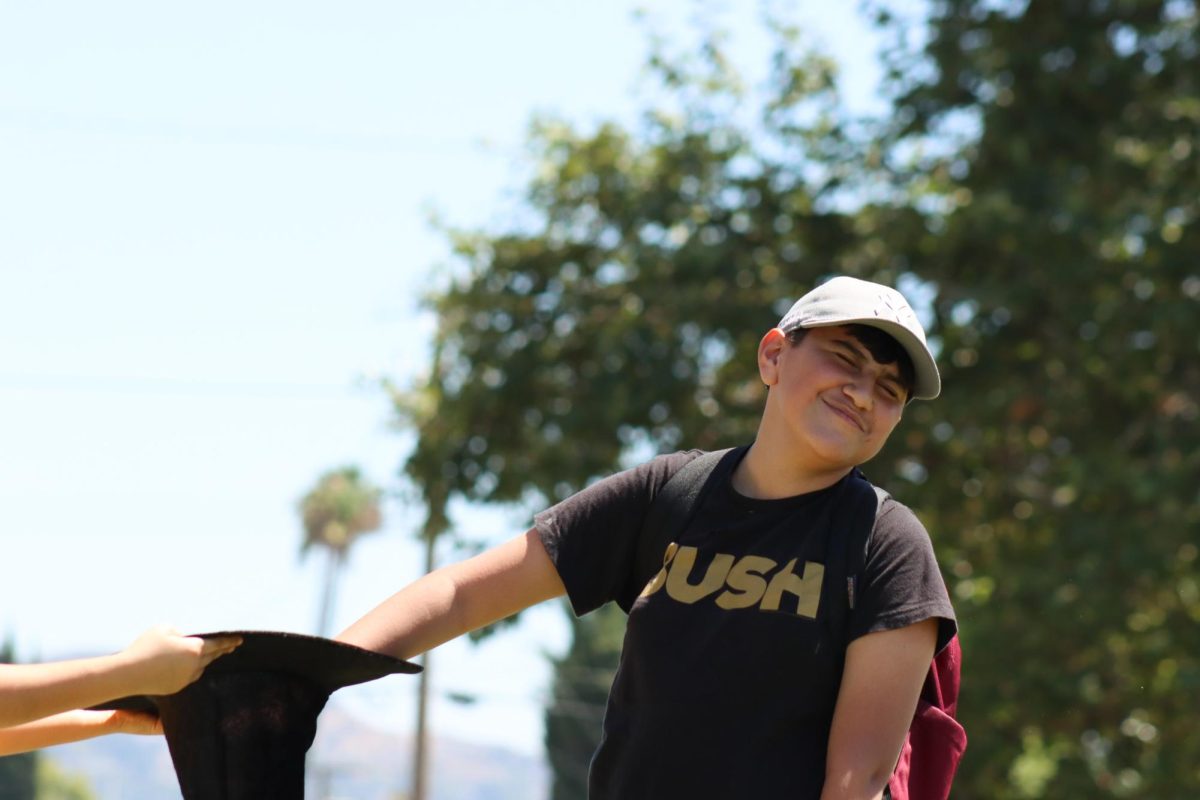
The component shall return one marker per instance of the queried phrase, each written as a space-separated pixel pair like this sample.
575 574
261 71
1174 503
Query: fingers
162 661
137 722
214 648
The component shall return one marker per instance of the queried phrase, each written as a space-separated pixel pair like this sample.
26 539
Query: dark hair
882 347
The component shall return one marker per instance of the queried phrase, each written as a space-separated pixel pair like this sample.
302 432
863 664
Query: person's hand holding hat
137 723
47 704
162 660
242 729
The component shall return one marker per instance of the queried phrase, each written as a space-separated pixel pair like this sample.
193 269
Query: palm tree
335 512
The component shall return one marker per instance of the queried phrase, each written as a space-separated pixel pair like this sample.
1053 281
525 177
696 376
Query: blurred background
295 302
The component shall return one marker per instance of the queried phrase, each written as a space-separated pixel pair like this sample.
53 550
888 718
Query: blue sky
213 236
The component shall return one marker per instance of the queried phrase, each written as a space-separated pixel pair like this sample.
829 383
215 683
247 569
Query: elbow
856 782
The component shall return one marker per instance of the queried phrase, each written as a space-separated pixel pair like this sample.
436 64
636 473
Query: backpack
935 741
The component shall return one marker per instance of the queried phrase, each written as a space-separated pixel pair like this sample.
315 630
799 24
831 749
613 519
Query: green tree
419 409
1036 185
1059 232
624 318
17 773
627 314
55 784
18 776
582 677
340 508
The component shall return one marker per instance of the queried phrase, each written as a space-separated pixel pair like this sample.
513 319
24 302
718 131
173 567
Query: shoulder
646 478
902 570
633 487
895 520
593 536
661 469
899 540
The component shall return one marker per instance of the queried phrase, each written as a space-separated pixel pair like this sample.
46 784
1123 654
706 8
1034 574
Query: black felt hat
240 732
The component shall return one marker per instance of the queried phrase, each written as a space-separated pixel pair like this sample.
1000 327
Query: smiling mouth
848 415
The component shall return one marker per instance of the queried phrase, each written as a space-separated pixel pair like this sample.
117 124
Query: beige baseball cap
849 301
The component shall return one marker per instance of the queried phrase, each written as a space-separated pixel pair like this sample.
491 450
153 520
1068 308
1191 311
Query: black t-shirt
727 683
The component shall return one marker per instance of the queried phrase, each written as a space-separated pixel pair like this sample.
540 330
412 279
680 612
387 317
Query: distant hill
349 761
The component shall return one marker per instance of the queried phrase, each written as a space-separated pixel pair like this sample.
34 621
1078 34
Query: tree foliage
340 508
629 312
53 783
1036 185
1064 459
18 776
18 773
578 698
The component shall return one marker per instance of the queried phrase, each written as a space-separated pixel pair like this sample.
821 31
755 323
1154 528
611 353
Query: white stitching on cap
897 314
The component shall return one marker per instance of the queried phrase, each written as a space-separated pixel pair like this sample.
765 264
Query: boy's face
830 396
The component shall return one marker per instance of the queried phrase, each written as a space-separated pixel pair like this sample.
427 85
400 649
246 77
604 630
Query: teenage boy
725 689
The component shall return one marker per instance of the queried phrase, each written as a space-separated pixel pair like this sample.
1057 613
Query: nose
859 392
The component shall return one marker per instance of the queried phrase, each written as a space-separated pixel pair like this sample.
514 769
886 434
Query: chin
853 457
833 444
838 457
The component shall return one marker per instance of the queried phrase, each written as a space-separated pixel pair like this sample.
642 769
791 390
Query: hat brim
927 382
327 663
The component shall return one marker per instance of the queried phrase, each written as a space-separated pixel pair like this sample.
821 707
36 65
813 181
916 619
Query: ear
770 348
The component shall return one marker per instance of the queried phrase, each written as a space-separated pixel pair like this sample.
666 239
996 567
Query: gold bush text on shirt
742 582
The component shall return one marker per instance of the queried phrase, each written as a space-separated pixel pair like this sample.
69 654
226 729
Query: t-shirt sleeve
592 536
902 583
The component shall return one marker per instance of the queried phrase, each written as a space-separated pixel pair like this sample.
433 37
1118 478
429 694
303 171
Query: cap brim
927 382
327 663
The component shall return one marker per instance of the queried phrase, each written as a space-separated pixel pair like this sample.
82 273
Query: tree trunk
333 569
421 755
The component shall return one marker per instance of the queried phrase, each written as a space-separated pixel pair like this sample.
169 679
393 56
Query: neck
766 474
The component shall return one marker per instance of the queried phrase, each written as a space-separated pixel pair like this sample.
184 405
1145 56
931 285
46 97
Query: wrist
118 674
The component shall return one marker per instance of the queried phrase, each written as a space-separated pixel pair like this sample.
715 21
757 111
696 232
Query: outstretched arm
880 687
459 598
160 661
74 726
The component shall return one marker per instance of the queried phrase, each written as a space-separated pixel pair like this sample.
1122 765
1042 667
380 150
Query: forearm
880 685
861 784
69 726
415 619
33 691
459 598
858 768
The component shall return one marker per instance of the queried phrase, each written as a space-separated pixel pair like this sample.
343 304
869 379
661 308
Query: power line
179 387
41 121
